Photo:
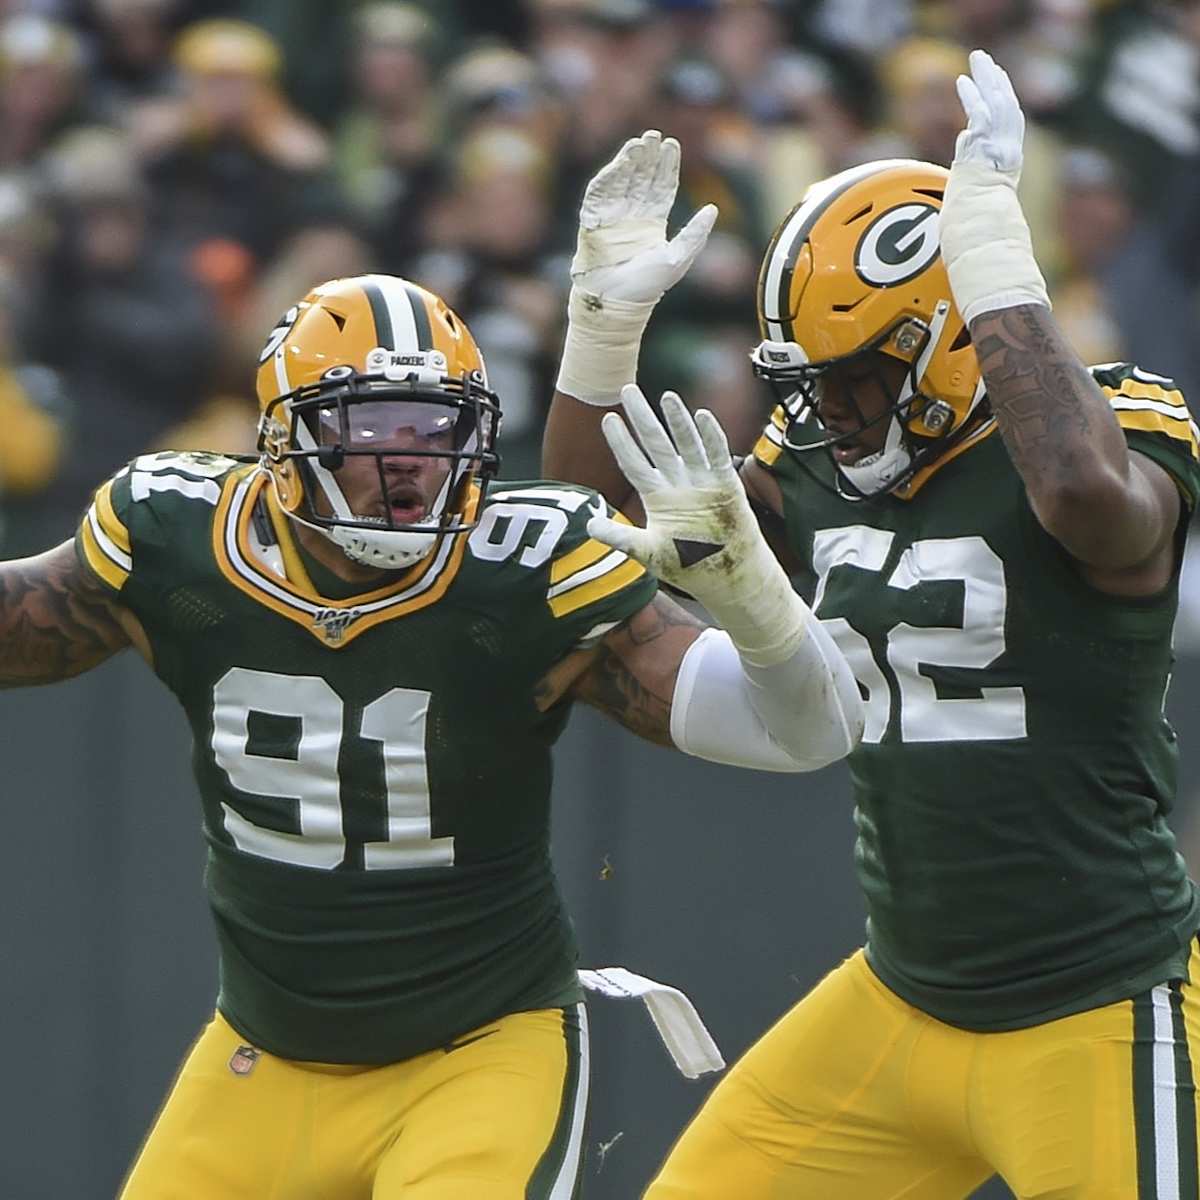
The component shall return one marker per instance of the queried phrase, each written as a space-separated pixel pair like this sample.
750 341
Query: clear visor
403 427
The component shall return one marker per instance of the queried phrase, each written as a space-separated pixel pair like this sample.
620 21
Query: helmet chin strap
388 549
878 471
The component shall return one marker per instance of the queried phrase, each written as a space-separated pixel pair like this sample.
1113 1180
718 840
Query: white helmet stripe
281 374
397 310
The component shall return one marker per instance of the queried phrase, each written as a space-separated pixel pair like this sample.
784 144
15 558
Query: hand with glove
984 236
701 534
624 264
771 652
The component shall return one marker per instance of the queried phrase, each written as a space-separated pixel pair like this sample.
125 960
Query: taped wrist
600 353
986 244
752 599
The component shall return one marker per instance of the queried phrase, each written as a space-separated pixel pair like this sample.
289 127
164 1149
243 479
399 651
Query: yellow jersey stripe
112 574
606 585
1150 421
1146 391
766 451
582 556
779 418
109 521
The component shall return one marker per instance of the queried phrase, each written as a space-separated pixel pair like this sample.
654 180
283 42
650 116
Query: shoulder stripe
580 593
114 573
767 449
123 558
108 520
610 562
582 556
1175 412
1152 421
1145 391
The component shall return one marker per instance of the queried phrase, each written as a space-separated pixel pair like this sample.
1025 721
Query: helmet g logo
897 245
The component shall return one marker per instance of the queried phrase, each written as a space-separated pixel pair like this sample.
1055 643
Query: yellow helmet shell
344 324
855 258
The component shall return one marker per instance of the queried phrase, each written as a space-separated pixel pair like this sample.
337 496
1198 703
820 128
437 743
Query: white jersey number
305 785
998 712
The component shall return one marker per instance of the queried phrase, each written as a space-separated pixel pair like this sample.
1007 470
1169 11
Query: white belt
675 1017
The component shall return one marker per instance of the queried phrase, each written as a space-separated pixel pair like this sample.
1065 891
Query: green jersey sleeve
135 516
103 541
591 586
588 587
1155 417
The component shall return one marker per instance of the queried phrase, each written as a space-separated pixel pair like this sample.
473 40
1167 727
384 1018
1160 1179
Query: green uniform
375 774
1016 771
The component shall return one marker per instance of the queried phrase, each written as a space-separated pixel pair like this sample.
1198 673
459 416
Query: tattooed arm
1113 510
56 619
630 674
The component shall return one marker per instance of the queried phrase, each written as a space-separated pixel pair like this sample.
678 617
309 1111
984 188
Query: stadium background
168 187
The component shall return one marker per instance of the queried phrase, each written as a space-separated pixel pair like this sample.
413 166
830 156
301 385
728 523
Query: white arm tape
600 353
986 244
797 715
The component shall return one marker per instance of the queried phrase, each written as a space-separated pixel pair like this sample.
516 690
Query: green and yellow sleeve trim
590 572
1151 408
105 542
769 446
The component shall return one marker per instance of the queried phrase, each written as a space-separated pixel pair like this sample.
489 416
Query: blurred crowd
175 173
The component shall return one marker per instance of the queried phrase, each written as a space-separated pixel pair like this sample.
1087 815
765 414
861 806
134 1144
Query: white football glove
623 264
700 533
984 236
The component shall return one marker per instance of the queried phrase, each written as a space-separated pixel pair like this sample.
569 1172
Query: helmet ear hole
962 341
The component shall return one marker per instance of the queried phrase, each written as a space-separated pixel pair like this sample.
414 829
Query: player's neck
317 546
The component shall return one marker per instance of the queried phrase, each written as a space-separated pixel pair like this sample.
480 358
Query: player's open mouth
848 452
406 506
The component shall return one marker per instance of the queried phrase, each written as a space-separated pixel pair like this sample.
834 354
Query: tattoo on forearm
633 684
56 620
1043 398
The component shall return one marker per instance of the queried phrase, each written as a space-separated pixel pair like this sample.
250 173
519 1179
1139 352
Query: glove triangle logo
691 552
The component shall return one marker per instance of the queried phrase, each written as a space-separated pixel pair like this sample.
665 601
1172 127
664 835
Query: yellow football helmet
853 270
356 357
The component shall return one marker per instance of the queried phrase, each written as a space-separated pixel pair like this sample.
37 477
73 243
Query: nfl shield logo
243 1060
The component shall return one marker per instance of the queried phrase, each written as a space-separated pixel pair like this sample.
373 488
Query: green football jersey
1016 769
374 772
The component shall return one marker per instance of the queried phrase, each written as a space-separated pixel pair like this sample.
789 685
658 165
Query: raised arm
1110 508
622 266
574 450
1113 510
56 619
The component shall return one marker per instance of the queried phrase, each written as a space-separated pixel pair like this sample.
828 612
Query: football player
995 535
376 646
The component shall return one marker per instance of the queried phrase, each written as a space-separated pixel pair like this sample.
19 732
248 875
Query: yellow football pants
856 1095
497 1115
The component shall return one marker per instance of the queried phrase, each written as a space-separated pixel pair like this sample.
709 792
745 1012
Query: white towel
675 1017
